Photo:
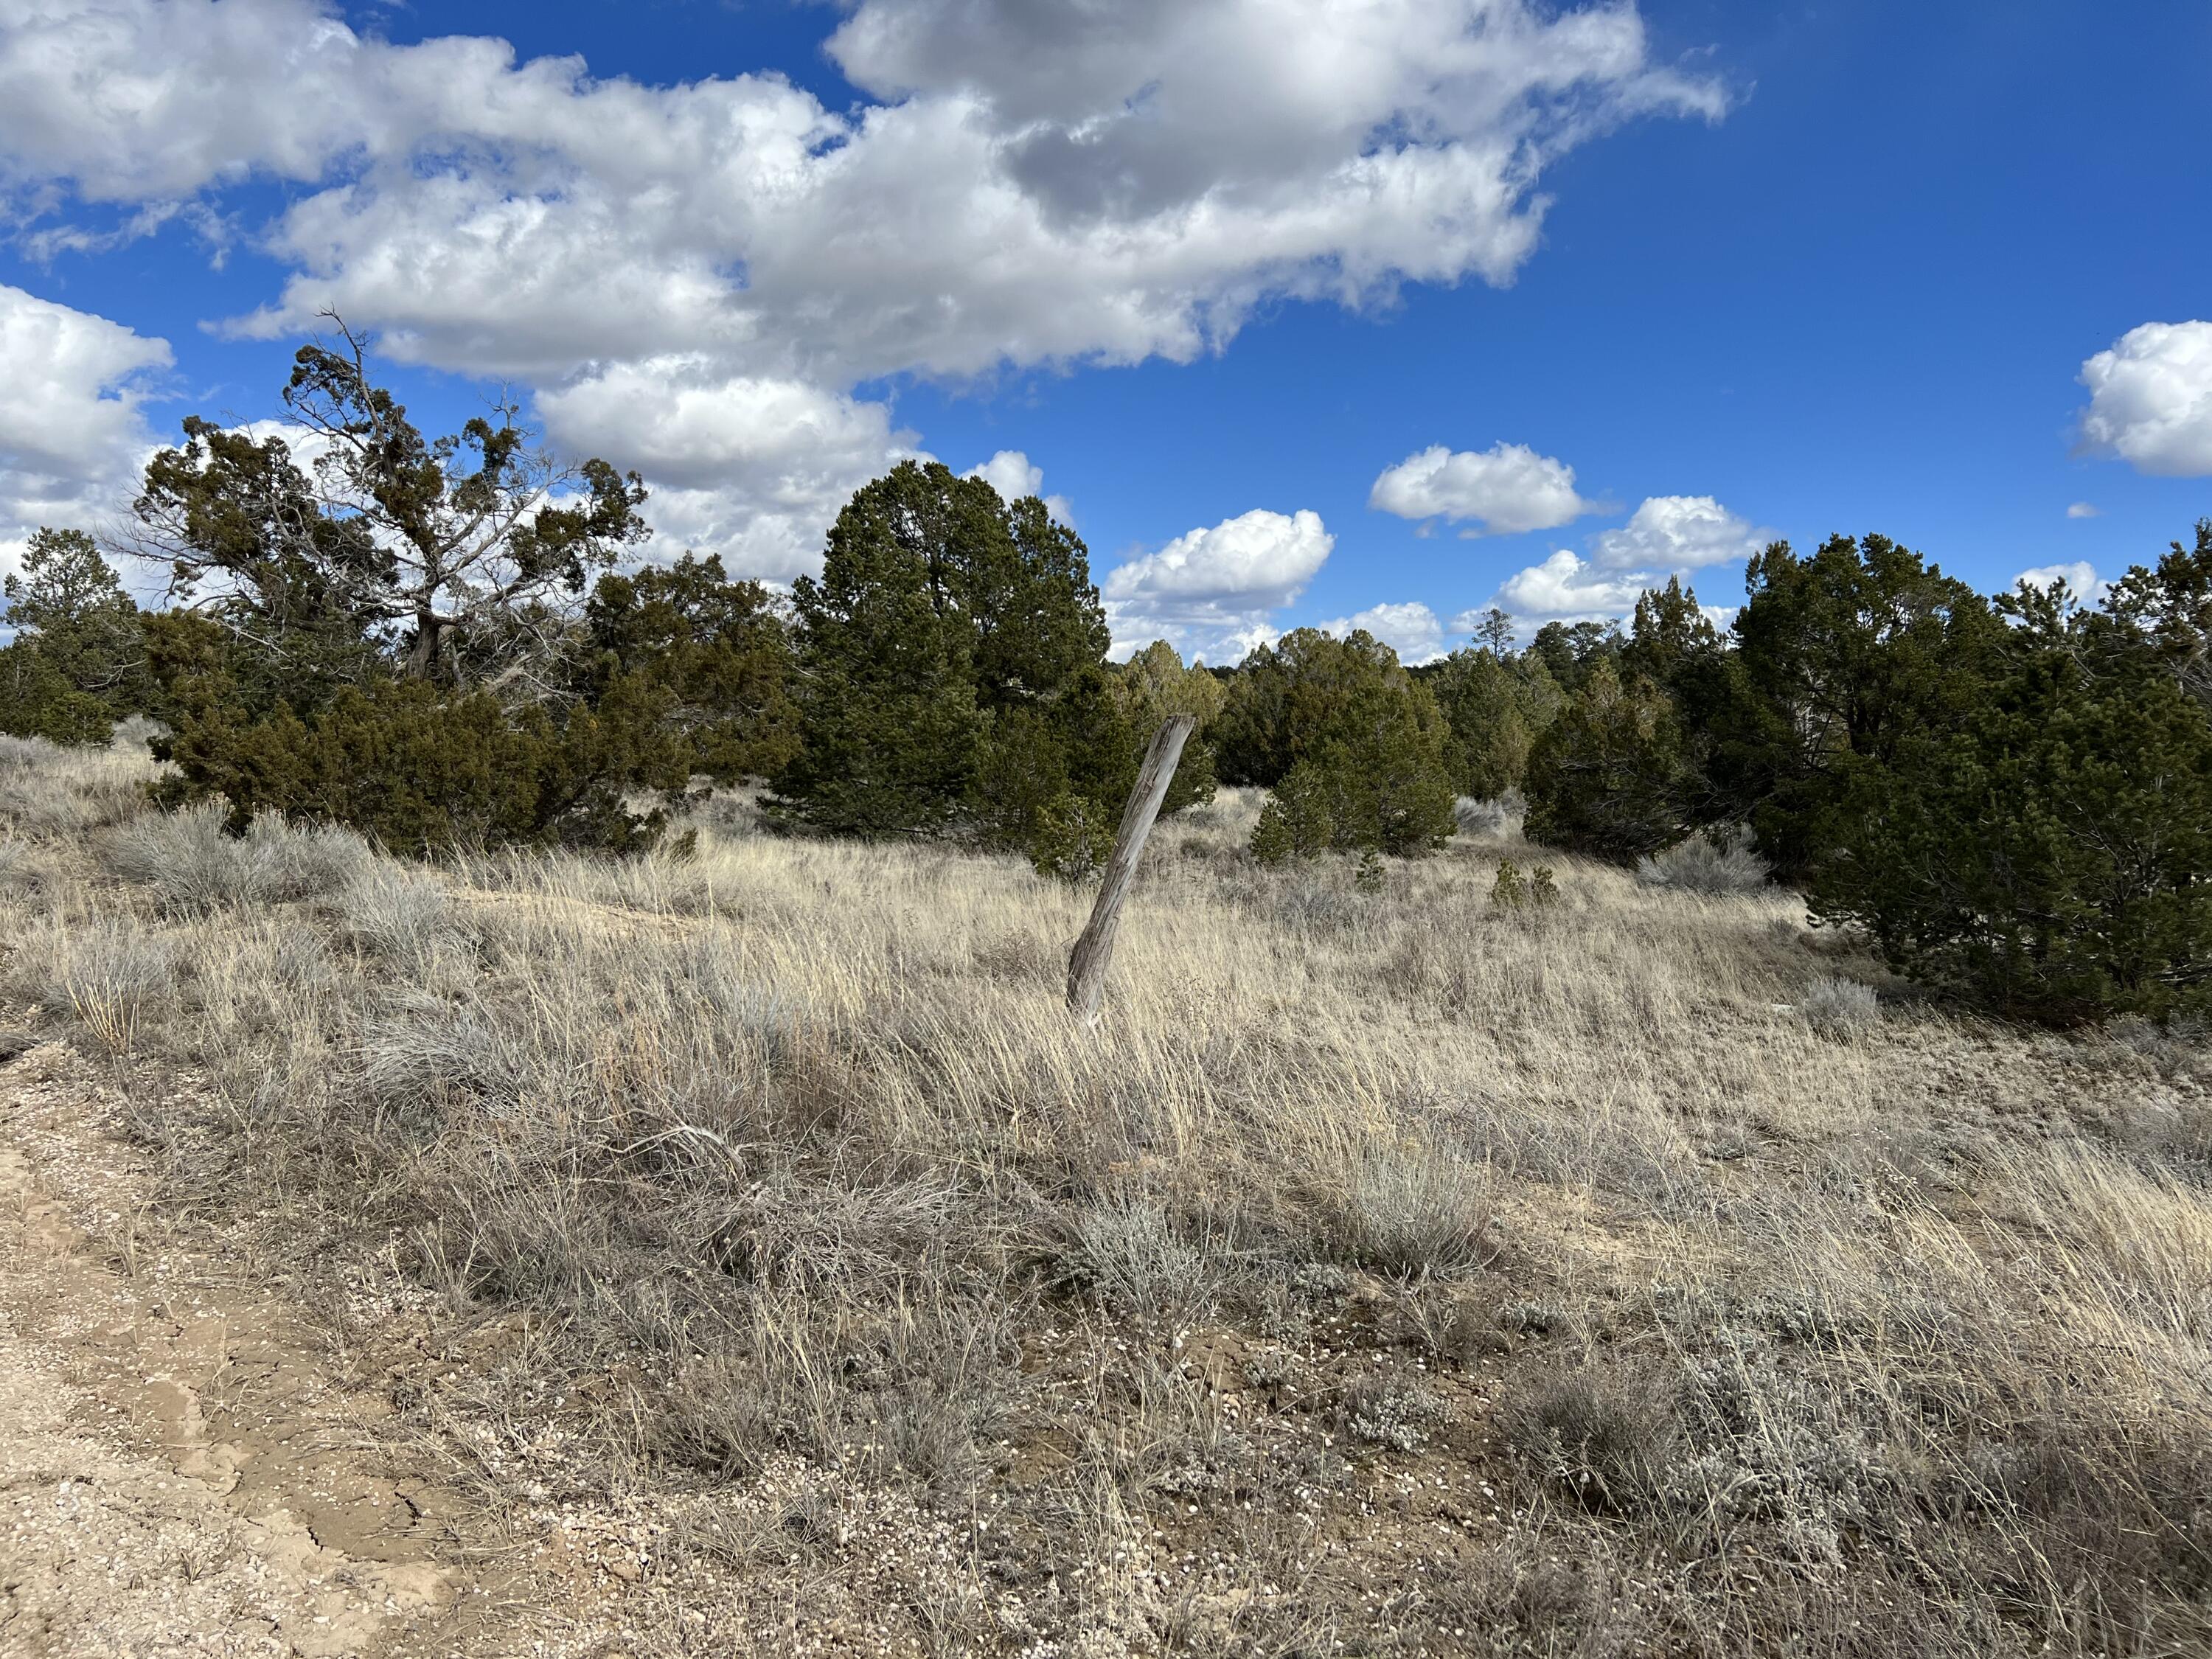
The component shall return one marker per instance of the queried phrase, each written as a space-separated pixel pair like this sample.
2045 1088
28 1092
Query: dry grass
1389 1272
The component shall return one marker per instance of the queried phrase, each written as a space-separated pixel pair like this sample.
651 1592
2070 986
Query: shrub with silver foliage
1490 820
196 867
106 972
1841 1008
1414 1211
1127 1252
397 914
1711 862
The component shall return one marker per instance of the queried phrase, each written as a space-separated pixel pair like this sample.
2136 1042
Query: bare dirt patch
182 1472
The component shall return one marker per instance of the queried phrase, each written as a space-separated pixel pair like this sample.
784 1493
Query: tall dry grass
1390 1272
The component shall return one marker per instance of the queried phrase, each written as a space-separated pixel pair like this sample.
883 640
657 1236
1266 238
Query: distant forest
452 642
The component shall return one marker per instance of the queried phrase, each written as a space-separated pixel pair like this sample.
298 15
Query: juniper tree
1340 723
1154 683
952 671
454 555
887 690
717 647
1843 659
2047 850
1609 777
1496 706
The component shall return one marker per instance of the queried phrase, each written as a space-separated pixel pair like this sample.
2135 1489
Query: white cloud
1025 185
1510 488
2084 510
754 470
73 436
2081 579
1211 590
1130 183
1013 474
1412 629
1666 535
2150 399
1678 533
1564 588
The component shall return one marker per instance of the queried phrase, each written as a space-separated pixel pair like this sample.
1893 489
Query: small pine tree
78 661
1507 891
1354 739
1154 683
1299 818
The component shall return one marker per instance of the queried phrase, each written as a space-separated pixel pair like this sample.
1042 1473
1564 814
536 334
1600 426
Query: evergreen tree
1670 641
1154 683
1842 660
2169 607
1609 777
952 677
1495 706
1570 651
1371 741
78 663
451 555
716 646
1494 629
2048 852
887 695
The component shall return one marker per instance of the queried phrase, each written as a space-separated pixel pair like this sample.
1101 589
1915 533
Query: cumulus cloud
1013 474
2084 510
750 468
1130 182
1666 535
1678 533
1212 590
1412 629
2079 576
2150 399
1565 587
1023 184
73 434
1507 488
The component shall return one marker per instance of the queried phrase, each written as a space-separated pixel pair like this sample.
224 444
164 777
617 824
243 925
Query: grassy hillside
1391 1272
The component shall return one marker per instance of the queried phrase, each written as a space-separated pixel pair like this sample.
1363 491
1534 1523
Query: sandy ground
180 1472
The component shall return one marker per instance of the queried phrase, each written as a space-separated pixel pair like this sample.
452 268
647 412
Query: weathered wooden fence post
1087 963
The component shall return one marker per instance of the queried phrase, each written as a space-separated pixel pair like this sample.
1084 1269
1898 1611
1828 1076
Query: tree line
451 642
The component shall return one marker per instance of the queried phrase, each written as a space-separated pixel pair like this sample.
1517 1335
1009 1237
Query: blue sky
1278 299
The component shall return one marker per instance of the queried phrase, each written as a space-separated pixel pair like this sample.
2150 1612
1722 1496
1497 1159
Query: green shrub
1072 838
2052 854
423 771
1507 889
